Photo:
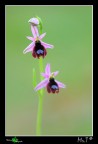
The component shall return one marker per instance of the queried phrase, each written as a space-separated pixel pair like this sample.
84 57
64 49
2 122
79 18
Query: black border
2 72
54 139
29 140
45 2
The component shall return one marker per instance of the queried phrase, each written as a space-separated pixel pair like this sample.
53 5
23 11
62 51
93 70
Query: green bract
40 24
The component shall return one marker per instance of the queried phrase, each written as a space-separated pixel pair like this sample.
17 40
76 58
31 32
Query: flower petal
60 84
29 48
30 38
34 31
55 73
46 45
42 35
47 70
45 75
42 84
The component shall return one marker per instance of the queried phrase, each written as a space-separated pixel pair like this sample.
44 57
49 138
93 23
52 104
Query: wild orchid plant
38 49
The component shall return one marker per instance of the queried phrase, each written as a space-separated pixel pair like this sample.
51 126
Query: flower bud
34 21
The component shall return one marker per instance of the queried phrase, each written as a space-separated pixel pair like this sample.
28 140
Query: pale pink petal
47 70
42 36
42 84
29 48
55 73
34 31
30 38
60 84
46 45
45 75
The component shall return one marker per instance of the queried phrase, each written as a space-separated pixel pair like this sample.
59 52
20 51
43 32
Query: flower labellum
39 50
49 82
52 86
37 47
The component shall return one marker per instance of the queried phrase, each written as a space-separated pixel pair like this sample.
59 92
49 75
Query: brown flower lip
52 86
39 50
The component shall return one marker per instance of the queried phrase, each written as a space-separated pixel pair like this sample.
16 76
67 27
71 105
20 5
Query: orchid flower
37 47
49 82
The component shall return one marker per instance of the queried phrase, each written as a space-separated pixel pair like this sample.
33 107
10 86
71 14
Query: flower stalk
40 103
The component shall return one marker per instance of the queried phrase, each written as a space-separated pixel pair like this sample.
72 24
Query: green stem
40 104
34 77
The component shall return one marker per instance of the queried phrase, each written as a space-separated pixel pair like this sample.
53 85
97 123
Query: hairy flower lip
48 81
52 87
39 50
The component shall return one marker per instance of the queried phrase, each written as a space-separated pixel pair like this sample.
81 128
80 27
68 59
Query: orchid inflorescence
38 49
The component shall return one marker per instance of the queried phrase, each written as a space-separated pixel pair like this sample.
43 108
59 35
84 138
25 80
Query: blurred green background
69 29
